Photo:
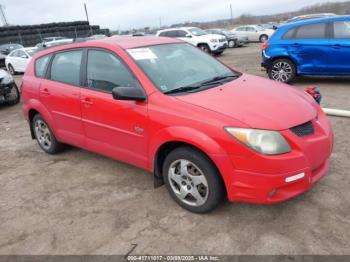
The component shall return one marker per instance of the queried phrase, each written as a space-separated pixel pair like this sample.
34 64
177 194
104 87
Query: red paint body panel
133 131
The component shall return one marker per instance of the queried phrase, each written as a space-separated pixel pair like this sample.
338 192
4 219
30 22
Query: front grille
303 129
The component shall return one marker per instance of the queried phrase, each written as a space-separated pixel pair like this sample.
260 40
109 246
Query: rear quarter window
313 31
41 64
289 34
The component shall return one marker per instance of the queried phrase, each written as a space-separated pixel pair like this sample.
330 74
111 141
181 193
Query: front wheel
192 180
282 70
44 136
205 48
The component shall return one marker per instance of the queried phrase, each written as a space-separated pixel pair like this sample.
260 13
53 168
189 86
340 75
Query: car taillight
265 45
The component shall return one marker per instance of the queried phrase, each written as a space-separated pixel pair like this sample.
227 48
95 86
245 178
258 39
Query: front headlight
7 79
263 141
214 40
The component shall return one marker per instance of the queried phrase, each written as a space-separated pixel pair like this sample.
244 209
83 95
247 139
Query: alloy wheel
281 71
188 182
43 134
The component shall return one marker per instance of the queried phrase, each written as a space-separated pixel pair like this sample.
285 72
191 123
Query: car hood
258 102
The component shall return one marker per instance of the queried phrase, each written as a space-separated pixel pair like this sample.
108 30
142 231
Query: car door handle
87 101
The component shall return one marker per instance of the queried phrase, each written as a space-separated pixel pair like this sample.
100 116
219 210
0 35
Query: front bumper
219 47
265 179
269 189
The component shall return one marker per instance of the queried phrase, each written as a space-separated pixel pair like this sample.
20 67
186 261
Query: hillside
340 8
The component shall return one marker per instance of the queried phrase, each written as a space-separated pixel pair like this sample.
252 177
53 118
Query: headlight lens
7 79
263 141
214 40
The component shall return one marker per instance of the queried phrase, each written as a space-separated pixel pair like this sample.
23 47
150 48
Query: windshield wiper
182 89
211 82
218 79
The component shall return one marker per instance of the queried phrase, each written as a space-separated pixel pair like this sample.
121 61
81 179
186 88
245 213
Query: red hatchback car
202 128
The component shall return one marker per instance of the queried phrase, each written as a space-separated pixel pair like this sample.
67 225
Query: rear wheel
282 70
44 136
192 180
11 69
232 43
263 38
204 47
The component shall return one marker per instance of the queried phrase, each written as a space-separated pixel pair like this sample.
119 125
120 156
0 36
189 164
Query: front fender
186 135
197 139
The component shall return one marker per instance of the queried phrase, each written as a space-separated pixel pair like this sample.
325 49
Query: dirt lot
81 203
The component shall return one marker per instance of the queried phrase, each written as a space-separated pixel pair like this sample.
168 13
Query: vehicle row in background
232 39
253 32
5 50
209 43
17 60
316 47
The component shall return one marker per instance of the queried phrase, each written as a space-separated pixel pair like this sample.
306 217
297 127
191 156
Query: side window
313 31
40 65
241 29
105 71
163 34
21 53
250 29
66 67
172 33
14 54
290 34
342 29
181 33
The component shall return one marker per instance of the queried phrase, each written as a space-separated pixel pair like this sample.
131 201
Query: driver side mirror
189 36
128 93
24 56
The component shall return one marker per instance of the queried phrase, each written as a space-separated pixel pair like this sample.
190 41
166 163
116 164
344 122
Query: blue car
317 47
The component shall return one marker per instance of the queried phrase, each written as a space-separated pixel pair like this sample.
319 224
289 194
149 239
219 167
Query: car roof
124 42
315 20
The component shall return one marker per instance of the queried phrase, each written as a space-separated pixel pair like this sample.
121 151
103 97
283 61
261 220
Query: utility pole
3 15
87 17
160 22
231 14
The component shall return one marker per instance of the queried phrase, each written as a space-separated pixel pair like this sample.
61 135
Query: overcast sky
127 14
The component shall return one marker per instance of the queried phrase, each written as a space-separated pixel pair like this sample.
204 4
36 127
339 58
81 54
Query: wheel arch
171 138
272 59
35 107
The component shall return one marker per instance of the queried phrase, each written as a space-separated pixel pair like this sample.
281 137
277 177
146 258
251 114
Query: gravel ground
78 202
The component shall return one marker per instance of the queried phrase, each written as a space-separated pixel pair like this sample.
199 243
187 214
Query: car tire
205 48
192 180
282 70
44 136
16 97
11 69
263 38
232 44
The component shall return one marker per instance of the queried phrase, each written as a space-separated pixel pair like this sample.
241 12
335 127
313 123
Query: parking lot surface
78 202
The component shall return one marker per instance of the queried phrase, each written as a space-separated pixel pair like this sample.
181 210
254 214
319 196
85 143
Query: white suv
254 32
210 43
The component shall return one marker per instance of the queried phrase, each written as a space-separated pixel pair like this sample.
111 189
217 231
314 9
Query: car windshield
197 31
172 66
